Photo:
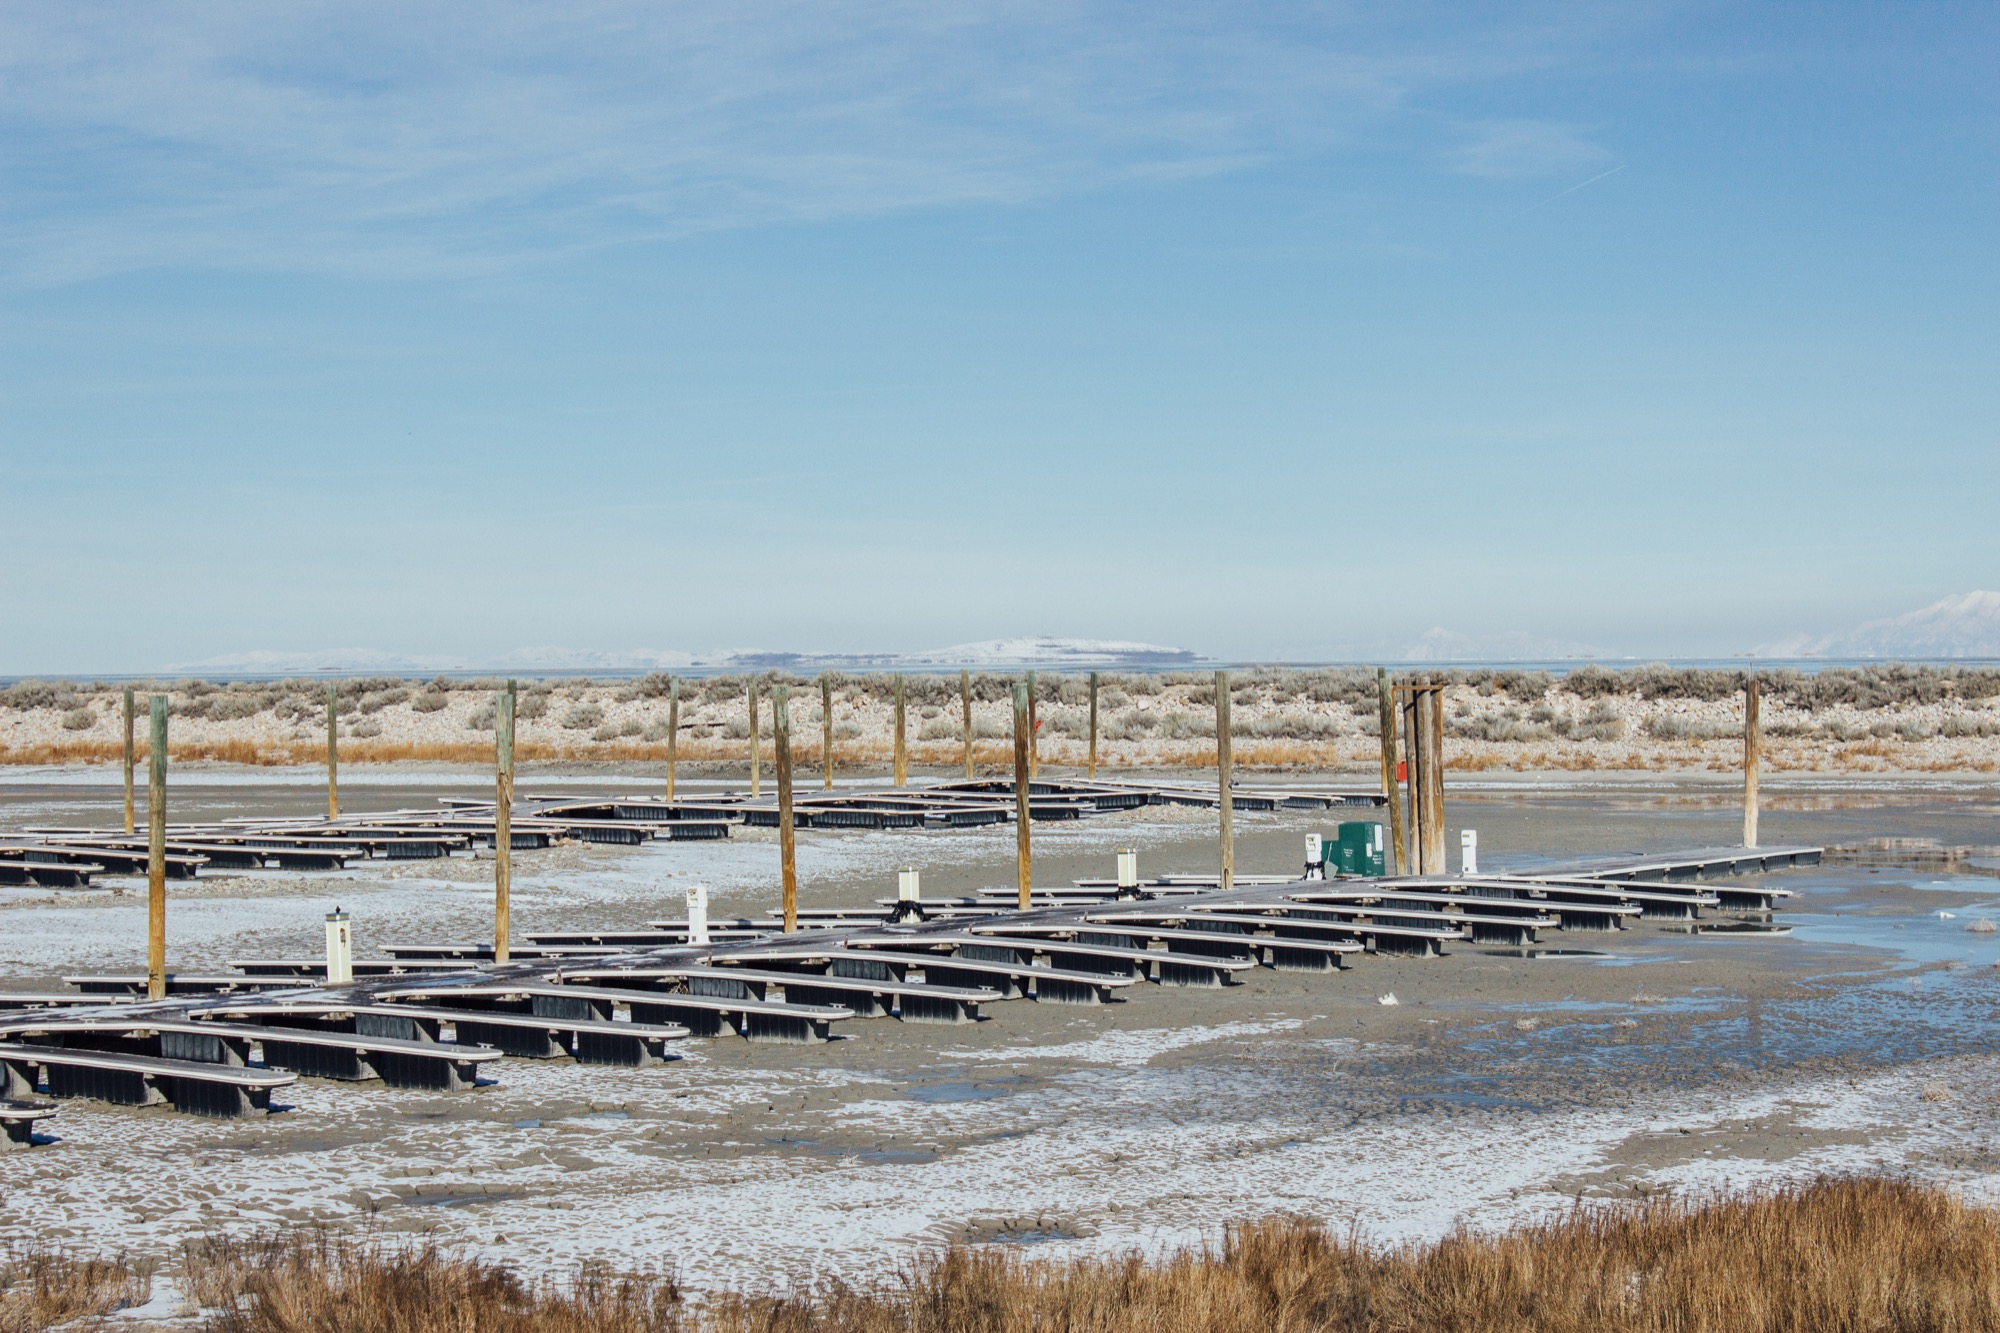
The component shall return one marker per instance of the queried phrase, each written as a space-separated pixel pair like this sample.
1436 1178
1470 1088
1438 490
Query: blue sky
1270 331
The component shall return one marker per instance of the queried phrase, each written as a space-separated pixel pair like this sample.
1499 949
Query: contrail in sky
1592 181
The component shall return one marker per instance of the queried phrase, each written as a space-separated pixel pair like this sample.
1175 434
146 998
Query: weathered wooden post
826 728
156 852
1023 861
503 819
965 708
788 851
756 777
673 732
1434 784
1423 743
1034 735
1423 734
902 768
1222 766
1413 765
1752 745
332 750
1387 710
129 812
1092 771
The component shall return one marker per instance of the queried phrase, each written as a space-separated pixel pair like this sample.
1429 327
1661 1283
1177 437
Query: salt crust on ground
1185 1148
1119 1139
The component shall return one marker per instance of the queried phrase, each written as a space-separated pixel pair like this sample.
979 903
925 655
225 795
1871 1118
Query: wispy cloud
396 138
1524 149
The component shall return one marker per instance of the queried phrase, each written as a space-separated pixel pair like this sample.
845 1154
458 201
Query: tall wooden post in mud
788 847
1752 747
756 777
1023 865
965 708
332 750
826 730
503 819
1387 710
1091 772
1034 733
156 852
673 732
1423 746
902 768
1222 778
129 812
1434 783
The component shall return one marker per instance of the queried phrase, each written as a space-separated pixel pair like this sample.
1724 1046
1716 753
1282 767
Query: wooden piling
1222 771
1413 757
1023 859
129 811
1092 770
1434 782
965 707
788 850
1387 710
1752 748
1423 747
826 728
902 745
156 851
332 750
673 732
756 778
1034 732
503 819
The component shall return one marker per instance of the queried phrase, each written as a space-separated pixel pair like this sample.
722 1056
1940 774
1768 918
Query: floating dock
439 1015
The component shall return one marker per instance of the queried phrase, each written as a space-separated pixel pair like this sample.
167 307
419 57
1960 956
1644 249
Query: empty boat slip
196 1087
1003 974
527 1035
1284 955
856 990
317 1052
437 1016
704 1013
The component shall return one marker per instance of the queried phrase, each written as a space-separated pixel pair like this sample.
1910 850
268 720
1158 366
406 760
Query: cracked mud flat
1498 1086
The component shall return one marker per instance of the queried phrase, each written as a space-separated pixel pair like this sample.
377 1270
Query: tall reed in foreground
308 1281
1860 1254
43 1288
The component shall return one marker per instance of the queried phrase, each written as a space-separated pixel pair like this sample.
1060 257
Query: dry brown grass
308 1281
44 1288
1837 1255
1859 1254
1359 754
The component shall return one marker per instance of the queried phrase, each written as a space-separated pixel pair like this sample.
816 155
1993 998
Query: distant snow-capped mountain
994 652
1963 625
1023 652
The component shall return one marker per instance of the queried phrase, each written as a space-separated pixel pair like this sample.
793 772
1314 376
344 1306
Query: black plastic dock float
197 1088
